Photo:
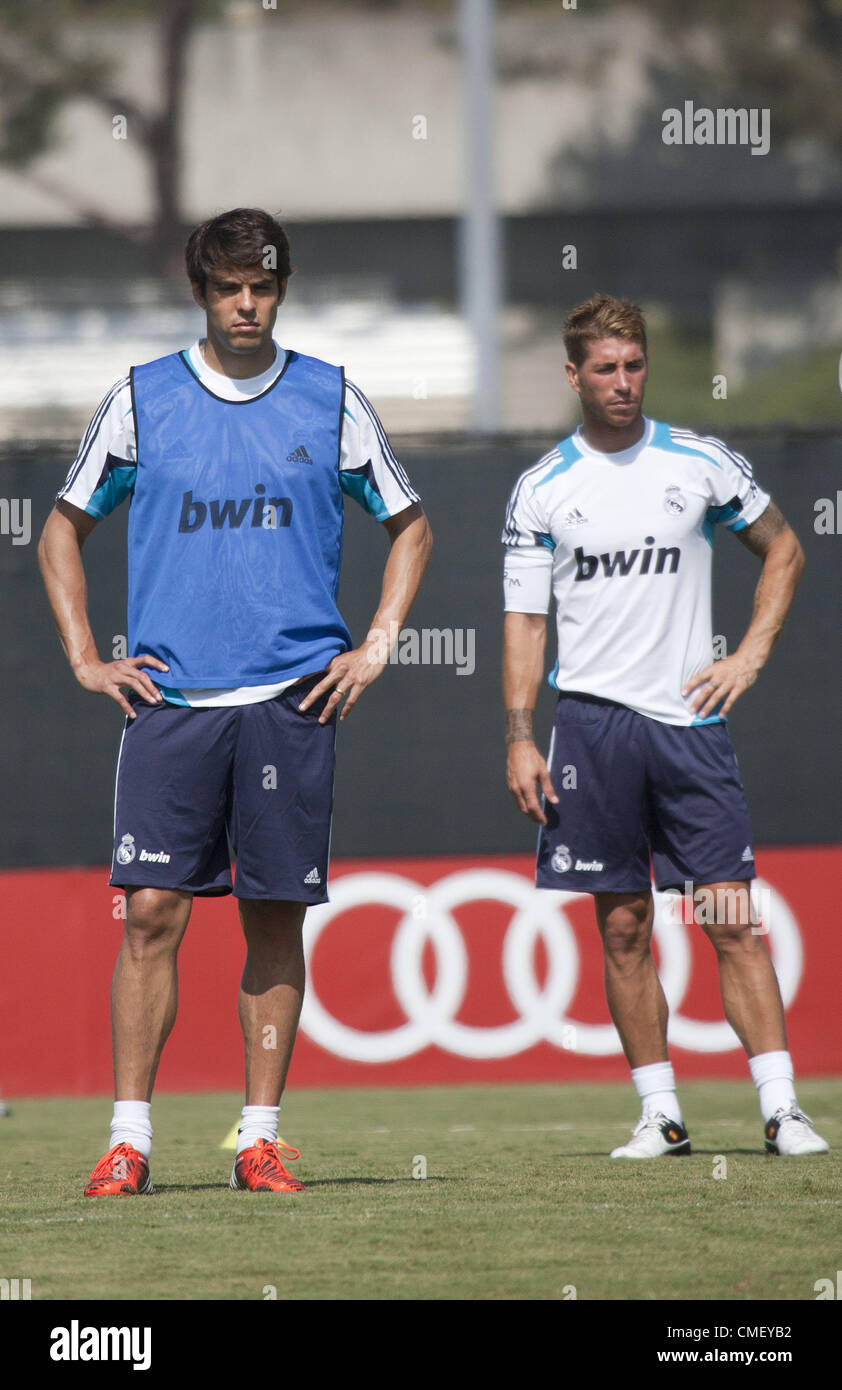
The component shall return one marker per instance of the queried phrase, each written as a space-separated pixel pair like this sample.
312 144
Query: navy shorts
630 786
196 785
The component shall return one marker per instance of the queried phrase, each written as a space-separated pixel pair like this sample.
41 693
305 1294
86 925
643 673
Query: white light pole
480 268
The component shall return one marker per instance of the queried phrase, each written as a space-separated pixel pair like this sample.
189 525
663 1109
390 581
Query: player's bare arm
60 559
348 675
776 544
527 775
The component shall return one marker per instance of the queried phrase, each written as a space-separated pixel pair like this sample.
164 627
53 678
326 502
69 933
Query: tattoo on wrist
519 725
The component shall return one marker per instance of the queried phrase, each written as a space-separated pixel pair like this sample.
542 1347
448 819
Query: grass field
520 1201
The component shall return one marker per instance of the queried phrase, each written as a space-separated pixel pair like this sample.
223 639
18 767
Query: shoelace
270 1154
288 1150
647 1122
108 1163
793 1114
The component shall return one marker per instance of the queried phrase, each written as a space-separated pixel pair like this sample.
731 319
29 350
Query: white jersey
623 541
103 474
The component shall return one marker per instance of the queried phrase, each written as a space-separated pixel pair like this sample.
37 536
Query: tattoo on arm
519 725
759 535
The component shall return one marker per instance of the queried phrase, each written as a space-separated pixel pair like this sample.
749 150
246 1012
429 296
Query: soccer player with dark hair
236 455
617 525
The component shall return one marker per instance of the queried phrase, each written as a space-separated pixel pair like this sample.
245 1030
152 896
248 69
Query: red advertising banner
419 971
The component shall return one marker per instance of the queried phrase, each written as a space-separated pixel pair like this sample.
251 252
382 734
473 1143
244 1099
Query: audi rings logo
431 1013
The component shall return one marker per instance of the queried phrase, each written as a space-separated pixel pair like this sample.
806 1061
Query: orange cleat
123 1171
259 1168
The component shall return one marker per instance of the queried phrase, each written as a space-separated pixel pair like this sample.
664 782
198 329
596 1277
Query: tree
789 51
43 67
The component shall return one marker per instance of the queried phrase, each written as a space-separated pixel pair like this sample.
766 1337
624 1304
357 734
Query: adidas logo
747 855
313 877
299 455
574 518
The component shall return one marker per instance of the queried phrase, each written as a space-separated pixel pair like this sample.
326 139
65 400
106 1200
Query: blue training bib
235 526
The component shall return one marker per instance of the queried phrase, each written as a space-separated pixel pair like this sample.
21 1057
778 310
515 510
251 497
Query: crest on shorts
562 860
126 850
674 501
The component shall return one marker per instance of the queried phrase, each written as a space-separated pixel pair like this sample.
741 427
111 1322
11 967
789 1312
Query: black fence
421 759
659 252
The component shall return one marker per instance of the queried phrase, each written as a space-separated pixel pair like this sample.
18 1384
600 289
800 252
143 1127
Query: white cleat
791 1132
653 1136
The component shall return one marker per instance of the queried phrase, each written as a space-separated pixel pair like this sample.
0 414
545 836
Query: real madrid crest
674 501
126 850
562 860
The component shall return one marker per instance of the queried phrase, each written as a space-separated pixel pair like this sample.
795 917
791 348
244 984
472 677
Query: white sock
772 1074
257 1122
131 1124
655 1086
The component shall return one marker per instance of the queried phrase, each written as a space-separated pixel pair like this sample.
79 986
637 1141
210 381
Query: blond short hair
602 316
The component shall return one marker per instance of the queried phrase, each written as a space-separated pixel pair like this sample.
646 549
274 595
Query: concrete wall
316 114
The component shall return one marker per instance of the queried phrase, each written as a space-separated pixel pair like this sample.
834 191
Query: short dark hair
242 237
603 316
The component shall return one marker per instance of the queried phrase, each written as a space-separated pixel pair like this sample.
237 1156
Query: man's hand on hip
721 684
107 678
346 678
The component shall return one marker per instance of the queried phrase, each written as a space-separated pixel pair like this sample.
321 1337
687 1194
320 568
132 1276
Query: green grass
519 1202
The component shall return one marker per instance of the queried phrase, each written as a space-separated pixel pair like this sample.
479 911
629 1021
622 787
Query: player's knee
725 914
154 919
734 938
626 932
